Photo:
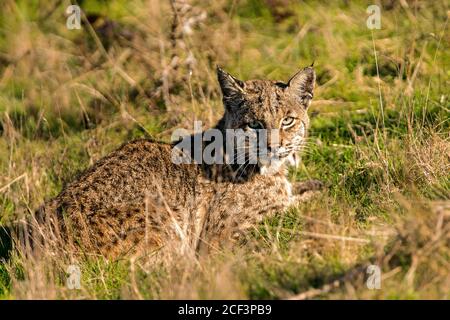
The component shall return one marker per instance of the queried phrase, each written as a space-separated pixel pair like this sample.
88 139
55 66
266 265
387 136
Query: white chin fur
271 167
293 160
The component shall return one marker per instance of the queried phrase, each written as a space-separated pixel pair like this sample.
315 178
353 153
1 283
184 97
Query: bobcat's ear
232 89
301 86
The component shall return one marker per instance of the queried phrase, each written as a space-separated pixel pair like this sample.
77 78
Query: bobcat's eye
287 122
255 125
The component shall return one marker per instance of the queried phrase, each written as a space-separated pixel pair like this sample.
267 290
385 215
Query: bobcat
137 197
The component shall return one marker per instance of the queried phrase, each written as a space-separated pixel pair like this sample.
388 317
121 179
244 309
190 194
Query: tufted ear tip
232 88
219 69
301 85
303 82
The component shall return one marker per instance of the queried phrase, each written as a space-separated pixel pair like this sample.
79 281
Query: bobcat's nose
276 151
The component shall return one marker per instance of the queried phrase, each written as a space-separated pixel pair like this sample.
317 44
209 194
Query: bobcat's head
262 104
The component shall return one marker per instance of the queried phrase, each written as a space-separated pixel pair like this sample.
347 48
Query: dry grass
379 139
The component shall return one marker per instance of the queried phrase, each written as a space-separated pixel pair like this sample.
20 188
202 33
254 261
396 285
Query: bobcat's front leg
304 190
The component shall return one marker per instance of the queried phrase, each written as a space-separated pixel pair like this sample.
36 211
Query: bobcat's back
110 205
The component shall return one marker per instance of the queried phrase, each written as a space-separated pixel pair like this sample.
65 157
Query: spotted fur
137 199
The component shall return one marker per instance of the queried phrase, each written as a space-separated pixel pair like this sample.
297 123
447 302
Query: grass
379 138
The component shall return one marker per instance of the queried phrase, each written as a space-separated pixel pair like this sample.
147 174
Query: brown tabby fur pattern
137 199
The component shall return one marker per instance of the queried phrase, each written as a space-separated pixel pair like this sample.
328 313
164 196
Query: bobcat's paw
300 188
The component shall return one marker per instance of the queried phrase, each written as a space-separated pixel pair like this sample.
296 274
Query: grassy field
380 138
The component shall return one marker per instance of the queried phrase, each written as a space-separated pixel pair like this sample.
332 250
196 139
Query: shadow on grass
5 243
